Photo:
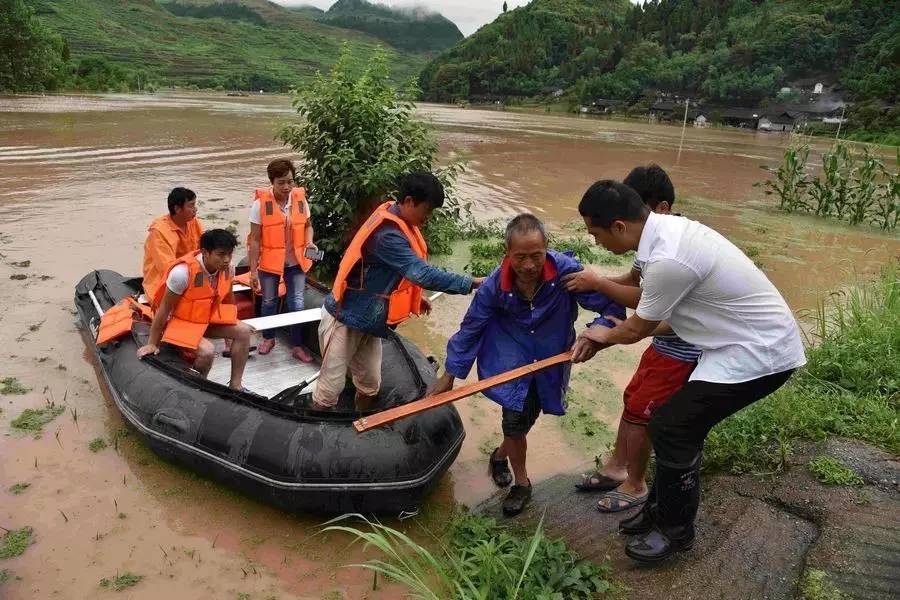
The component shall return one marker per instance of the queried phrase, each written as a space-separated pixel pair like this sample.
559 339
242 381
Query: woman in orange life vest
280 233
378 285
195 302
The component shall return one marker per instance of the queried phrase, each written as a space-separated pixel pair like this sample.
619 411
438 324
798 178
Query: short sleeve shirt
177 282
714 297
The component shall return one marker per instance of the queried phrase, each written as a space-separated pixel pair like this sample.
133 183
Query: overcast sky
468 15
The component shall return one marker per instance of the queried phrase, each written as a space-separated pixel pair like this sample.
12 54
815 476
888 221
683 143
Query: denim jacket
504 331
388 258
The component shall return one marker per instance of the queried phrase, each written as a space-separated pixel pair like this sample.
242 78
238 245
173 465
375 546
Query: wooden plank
285 319
429 402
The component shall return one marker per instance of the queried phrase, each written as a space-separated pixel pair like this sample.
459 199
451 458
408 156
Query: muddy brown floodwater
80 179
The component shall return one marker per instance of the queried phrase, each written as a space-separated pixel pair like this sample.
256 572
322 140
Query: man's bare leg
206 354
637 456
515 449
240 348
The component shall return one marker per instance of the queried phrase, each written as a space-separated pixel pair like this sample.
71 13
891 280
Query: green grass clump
97 444
15 541
10 386
18 488
121 582
833 472
33 420
4 575
478 558
486 256
817 587
850 386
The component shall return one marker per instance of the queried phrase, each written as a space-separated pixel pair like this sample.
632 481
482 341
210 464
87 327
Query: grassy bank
850 387
477 558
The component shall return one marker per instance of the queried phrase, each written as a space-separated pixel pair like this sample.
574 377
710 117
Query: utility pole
841 122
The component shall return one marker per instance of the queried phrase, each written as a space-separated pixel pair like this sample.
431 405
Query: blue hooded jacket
504 331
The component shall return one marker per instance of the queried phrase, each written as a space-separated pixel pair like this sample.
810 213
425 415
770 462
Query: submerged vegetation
32 420
15 542
10 386
121 582
477 558
855 187
850 386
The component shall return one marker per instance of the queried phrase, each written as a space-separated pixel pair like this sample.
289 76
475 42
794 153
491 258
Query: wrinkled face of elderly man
526 248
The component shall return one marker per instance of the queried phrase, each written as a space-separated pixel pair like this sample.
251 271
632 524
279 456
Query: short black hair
653 185
524 224
607 201
178 196
421 186
218 239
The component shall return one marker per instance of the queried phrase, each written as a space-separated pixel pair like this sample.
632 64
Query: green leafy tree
357 135
31 56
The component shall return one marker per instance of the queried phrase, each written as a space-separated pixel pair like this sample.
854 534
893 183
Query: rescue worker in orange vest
280 233
378 286
171 236
195 302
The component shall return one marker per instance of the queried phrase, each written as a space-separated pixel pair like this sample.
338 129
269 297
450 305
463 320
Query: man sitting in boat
379 285
195 300
520 315
280 233
171 236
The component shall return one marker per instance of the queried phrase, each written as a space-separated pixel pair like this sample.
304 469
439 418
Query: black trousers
680 426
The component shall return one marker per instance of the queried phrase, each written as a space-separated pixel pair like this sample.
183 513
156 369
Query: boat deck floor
270 374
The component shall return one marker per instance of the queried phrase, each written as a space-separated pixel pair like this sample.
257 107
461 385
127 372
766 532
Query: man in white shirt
714 297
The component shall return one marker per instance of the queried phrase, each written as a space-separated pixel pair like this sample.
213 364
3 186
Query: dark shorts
519 423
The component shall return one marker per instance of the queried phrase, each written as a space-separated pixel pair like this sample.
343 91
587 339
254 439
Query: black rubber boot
678 498
645 519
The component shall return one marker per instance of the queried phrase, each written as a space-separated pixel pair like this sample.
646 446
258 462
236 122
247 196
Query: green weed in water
33 420
15 542
850 386
817 587
121 582
833 472
18 488
10 386
480 559
5 575
97 444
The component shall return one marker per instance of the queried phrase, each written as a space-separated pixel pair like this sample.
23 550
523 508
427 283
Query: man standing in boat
520 315
714 297
171 236
378 286
281 233
195 302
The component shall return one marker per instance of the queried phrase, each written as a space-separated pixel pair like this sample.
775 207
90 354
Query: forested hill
240 44
719 50
410 30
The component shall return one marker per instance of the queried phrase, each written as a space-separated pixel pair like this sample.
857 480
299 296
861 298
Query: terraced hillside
209 52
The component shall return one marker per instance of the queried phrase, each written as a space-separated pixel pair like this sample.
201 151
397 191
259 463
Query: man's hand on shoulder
585 280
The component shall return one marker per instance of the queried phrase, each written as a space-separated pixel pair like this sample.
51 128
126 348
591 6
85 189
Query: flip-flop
619 501
597 482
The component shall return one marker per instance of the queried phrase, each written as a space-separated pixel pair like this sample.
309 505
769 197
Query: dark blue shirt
387 258
505 331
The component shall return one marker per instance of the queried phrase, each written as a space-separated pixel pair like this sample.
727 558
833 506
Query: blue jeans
295 281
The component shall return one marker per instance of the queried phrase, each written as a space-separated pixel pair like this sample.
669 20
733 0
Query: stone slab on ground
756 534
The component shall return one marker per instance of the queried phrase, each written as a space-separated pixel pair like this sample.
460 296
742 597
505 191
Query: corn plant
831 194
865 187
886 209
790 180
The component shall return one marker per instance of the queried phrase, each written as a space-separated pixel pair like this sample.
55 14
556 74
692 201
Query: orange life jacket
199 306
407 298
117 321
272 250
165 242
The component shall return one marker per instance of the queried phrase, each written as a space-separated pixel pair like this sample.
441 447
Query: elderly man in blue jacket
521 314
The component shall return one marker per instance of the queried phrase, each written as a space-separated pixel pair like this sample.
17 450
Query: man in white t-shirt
714 297
186 319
